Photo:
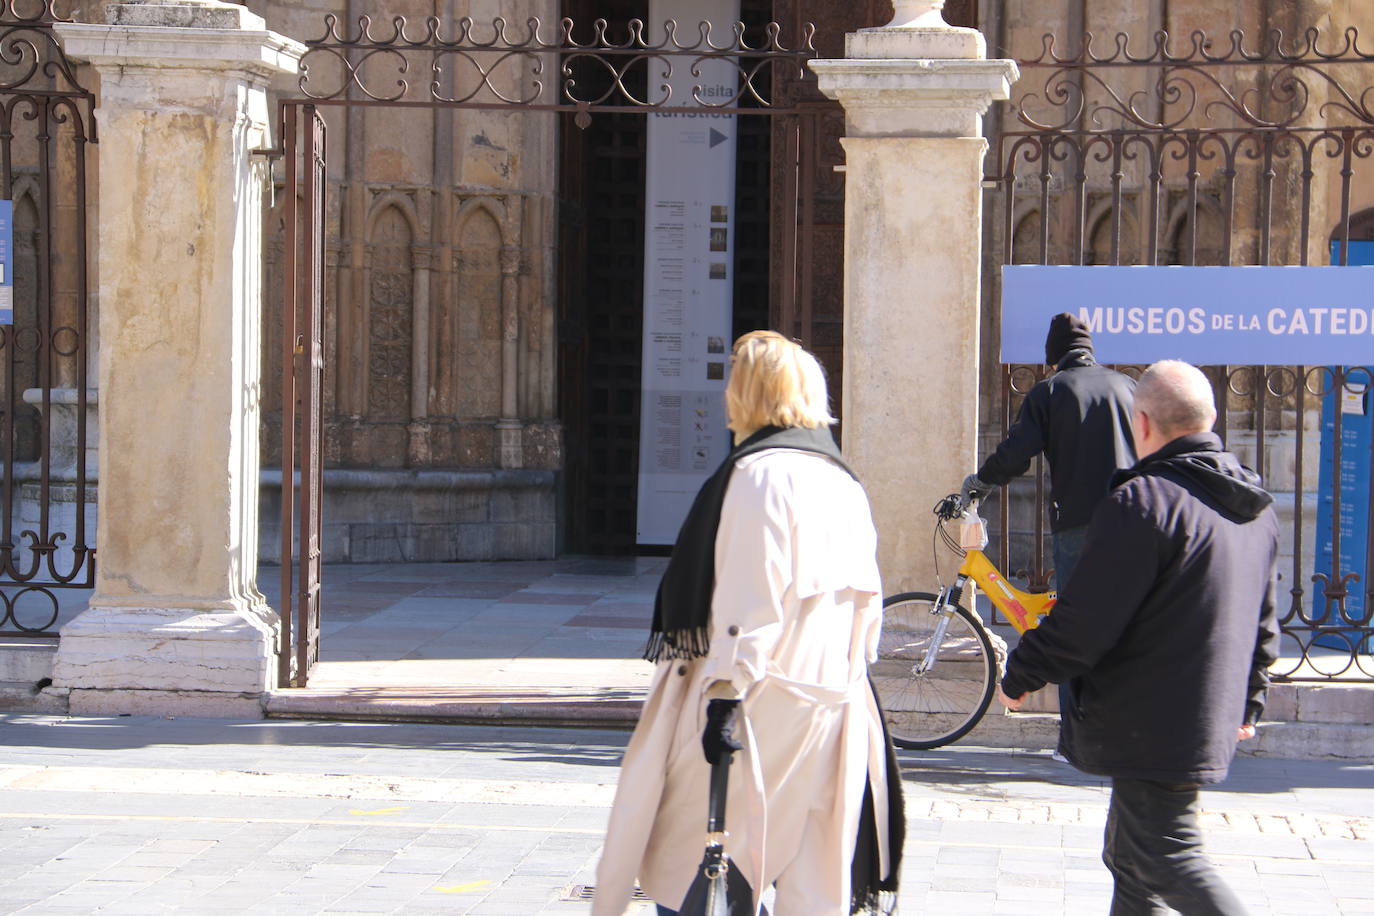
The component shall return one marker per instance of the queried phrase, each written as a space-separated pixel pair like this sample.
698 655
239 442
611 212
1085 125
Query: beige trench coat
796 614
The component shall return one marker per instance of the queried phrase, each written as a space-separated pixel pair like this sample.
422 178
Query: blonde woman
764 625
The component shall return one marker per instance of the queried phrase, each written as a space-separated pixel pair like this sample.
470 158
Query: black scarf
682 609
870 891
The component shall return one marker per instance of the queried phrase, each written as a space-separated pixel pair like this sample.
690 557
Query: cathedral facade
484 269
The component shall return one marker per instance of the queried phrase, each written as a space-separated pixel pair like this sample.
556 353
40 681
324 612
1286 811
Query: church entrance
369 349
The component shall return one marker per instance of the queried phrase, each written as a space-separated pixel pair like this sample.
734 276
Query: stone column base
167 661
509 436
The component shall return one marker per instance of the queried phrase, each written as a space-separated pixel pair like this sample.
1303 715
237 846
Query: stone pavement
558 642
206 816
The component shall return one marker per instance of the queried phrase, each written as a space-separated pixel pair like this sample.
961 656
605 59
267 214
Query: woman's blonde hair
774 382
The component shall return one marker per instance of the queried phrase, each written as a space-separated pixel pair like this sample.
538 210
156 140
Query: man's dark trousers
1153 848
1068 547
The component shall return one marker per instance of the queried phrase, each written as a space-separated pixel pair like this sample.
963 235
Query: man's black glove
975 487
719 735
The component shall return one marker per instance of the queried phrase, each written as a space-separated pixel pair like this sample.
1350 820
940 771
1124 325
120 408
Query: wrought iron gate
1197 150
498 66
302 387
47 121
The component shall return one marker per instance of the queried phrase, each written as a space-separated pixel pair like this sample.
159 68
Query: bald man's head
1177 400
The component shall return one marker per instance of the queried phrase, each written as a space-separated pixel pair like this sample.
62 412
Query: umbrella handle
720 784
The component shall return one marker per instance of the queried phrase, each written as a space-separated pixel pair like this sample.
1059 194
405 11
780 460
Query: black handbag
719 889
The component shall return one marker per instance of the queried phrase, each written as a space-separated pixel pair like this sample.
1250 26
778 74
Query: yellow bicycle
938 663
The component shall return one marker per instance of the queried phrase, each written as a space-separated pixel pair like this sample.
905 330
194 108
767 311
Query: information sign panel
689 243
6 262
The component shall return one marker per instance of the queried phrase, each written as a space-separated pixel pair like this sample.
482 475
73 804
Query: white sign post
689 243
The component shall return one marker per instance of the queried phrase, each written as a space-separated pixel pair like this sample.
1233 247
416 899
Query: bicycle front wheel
937 706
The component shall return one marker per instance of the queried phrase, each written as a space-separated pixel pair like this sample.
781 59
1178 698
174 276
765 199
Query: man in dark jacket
1080 418
1164 633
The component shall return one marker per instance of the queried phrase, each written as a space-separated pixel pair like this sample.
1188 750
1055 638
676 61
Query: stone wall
450 515
439 271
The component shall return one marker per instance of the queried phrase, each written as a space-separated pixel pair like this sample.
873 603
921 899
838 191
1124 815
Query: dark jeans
1153 848
664 911
1068 547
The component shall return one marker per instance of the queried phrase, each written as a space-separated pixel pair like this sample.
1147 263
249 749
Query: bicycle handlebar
953 505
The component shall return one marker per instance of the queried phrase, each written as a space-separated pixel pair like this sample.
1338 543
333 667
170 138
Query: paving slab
222 816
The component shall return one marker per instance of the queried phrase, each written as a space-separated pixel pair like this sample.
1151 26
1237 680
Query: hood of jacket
1077 358
1199 459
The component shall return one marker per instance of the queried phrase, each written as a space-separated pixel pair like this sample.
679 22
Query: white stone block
165 703
143 648
26 661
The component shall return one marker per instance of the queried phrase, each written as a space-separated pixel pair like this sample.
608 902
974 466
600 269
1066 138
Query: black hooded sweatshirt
1080 417
1167 628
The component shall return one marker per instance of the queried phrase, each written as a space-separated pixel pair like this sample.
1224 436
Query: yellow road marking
463 888
376 812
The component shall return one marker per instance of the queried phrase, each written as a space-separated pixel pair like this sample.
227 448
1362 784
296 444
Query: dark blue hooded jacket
1168 625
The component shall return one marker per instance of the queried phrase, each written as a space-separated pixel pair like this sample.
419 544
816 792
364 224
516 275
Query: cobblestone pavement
146 816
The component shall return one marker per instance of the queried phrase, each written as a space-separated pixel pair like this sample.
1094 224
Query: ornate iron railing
47 488
544 67
1202 151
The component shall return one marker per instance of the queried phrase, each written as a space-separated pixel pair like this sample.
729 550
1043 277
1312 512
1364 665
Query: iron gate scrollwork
47 121
532 66
1198 151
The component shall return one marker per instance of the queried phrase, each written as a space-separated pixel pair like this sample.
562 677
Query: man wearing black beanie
1080 418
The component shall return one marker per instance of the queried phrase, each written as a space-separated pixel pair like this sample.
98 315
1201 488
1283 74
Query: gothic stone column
914 93
176 623
509 428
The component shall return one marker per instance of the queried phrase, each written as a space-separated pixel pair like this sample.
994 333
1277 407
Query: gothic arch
1210 239
471 207
402 204
1099 223
478 305
1361 227
1025 236
390 322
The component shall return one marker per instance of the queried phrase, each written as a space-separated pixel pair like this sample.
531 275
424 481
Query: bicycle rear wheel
941 705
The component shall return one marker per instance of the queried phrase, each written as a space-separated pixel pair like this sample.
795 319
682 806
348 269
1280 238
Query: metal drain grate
588 892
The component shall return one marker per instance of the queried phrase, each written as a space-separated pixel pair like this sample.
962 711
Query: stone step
26 661
1287 740
575 706
23 697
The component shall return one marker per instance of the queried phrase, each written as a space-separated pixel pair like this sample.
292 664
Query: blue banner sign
1204 315
1352 401
6 262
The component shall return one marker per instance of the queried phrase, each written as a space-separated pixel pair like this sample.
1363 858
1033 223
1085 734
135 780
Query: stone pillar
419 451
914 93
509 429
176 623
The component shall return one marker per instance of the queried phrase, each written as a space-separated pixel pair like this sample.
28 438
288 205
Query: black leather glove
719 735
975 487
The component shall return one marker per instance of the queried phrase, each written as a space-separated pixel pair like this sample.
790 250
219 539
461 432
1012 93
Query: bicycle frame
1022 609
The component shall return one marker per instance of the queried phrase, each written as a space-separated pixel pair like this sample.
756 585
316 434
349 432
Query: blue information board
6 262
1352 401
